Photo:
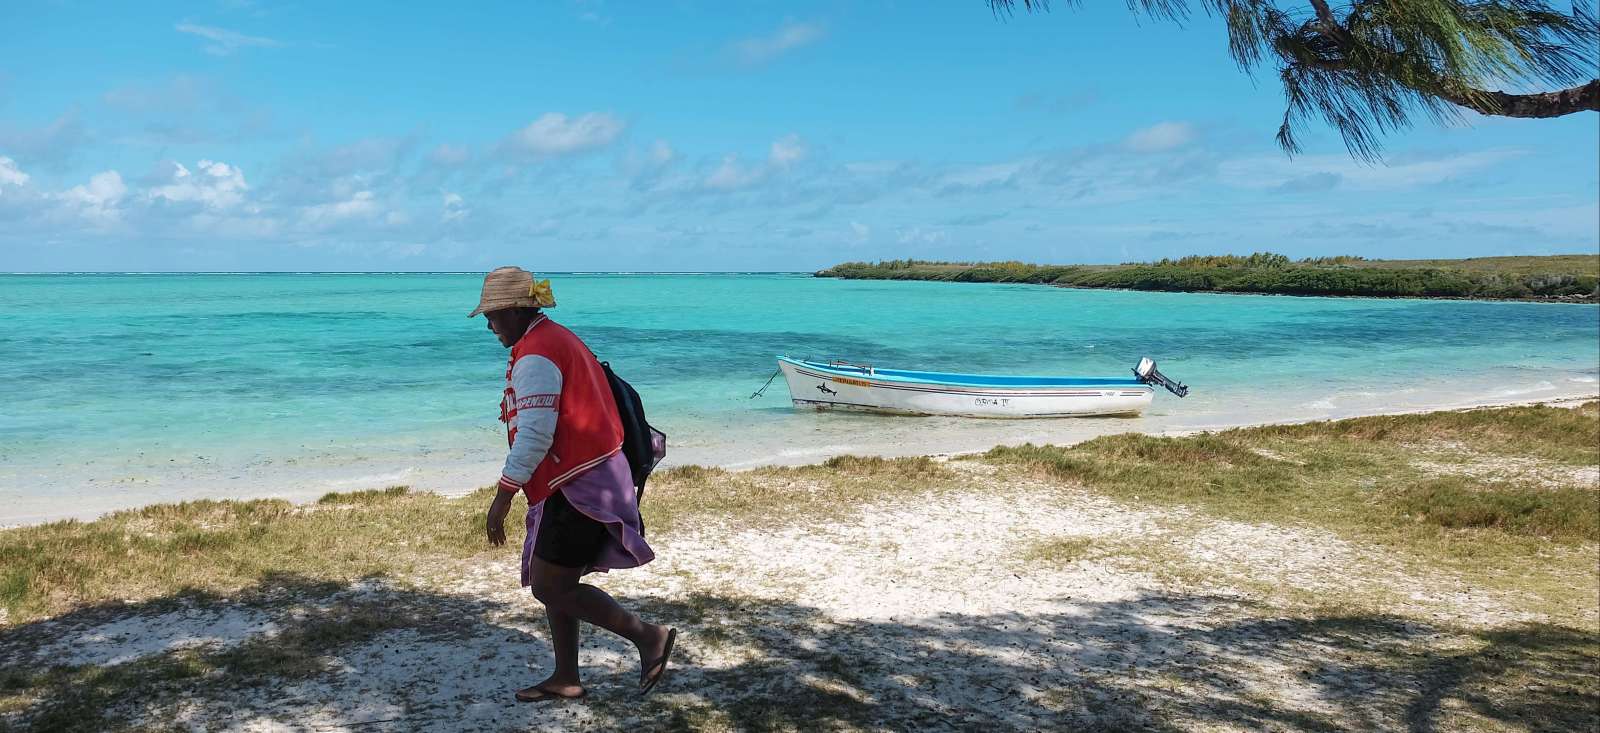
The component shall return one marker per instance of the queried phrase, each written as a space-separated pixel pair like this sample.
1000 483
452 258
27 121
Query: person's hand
495 523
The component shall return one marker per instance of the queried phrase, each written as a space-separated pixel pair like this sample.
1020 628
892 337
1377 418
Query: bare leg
564 637
559 589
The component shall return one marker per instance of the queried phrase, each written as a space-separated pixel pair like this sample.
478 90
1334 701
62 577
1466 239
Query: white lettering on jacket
536 384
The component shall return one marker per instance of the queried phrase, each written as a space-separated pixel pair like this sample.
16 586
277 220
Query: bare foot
552 689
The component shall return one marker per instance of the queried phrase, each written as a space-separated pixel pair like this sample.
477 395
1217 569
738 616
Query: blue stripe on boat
971 380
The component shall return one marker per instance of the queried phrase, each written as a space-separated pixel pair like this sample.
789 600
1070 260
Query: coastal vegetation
1399 532
167 550
1367 68
1555 277
1490 493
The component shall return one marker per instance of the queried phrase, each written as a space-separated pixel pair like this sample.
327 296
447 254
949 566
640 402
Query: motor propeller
1146 372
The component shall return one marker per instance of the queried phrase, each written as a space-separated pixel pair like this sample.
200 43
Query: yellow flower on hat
541 293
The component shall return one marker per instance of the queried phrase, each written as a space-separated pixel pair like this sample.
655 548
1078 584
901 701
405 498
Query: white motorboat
847 386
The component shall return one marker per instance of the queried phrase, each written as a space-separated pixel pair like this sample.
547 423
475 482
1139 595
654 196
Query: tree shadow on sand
308 655
1157 662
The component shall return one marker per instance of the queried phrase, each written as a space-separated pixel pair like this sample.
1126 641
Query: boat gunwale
952 379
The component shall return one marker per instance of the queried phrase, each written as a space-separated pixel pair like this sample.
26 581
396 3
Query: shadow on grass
309 655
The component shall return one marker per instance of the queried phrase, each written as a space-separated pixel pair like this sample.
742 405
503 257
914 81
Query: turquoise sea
120 390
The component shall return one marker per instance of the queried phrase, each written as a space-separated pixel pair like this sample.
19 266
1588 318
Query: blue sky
252 135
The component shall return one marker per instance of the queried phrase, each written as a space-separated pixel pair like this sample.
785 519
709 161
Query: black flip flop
542 695
659 665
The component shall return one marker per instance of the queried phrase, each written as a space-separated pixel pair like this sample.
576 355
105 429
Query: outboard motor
1146 372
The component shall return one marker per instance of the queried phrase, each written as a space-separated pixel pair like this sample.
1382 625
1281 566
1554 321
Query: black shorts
567 537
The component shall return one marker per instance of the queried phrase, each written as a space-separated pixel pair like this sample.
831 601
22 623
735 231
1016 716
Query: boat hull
816 386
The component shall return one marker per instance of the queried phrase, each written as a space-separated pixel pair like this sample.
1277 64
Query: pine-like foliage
1366 67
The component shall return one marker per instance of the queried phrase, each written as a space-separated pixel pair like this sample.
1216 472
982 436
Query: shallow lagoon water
120 390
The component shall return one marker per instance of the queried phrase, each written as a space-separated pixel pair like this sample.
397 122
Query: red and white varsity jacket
560 417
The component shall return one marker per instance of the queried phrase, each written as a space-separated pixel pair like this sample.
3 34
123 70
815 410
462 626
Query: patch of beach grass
221 546
367 496
1058 551
778 495
1458 503
1360 478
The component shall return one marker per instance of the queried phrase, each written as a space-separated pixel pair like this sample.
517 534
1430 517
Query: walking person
565 455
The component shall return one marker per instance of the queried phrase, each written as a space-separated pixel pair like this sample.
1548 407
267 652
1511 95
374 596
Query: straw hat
513 287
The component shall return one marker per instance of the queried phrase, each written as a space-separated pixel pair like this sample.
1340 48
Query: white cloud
859 232
918 235
1163 136
730 175
787 150
98 199
104 188
10 174
788 37
224 41
455 207
360 205
556 134
214 184
646 168
1276 171
984 177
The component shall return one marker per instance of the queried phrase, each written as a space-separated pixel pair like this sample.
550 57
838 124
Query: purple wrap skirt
605 494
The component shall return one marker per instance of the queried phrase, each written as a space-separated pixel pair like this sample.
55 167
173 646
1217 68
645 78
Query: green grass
368 496
168 549
1351 473
1555 277
1057 551
1360 478
1457 503
774 496
221 546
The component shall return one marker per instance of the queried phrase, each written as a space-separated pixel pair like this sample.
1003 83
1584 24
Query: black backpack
643 445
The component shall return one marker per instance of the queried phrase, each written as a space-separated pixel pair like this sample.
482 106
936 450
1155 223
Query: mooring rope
764 387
